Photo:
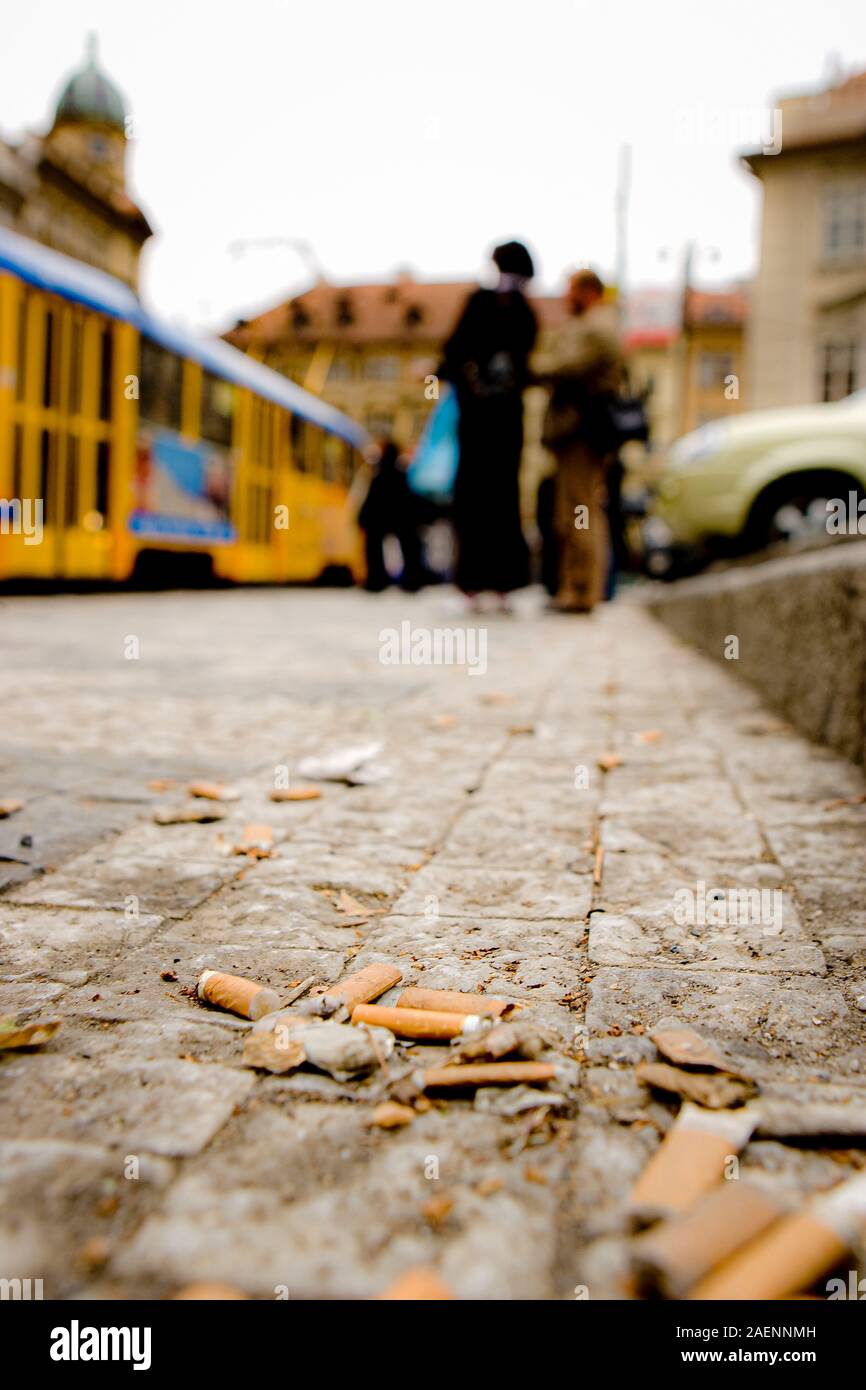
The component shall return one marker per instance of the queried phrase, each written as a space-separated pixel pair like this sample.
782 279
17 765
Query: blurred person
389 509
485 359
584 367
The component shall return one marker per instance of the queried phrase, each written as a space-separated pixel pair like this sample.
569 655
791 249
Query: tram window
299 461
49 373
18 462
72 457
76 338
331 458
46 449
161 385
20 378
106 362
217 409
102 468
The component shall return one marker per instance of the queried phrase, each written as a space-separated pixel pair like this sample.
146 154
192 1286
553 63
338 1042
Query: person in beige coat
583 366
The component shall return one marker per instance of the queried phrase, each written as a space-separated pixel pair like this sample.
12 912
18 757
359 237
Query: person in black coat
389 510
485 360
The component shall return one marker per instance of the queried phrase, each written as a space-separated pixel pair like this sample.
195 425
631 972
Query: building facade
807 336
372 351
67 188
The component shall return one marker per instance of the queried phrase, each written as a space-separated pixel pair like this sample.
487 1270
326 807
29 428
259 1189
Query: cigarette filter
791 1255
689 1161
364 985
237 995
454 1001
490 1074
421 1284
421 1024
670 1258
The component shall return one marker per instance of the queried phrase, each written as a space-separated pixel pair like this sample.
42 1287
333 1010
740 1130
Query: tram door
62 438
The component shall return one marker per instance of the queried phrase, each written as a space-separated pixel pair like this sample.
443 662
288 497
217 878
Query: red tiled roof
403 310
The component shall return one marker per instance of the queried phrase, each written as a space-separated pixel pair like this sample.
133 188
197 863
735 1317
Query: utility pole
623 193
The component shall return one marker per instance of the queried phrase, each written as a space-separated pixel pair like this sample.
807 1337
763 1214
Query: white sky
392 133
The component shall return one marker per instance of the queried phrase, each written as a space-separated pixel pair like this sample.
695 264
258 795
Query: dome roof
89 95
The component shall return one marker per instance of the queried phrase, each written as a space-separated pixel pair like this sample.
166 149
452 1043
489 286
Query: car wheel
796 508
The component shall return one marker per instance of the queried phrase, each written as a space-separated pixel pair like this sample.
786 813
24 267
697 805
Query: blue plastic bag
433 470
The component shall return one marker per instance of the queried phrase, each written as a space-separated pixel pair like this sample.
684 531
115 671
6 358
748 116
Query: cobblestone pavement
474 865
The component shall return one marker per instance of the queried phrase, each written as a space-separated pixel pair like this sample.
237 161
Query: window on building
161 385
380 422
845 221
382 367
341 368
837 368
713 367
217 409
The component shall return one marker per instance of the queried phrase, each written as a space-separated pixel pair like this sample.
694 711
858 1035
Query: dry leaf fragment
650 736
844 801
597 867
213 791
295 793
9 808
436 1210
346 903
686 1048
496 697
28 1034
161 784
391 1115
521 728
487 1186
717 1091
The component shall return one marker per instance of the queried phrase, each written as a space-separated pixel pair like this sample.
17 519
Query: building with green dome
68 187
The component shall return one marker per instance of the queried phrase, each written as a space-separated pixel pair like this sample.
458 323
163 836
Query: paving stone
170 1108
470 867
463 892
649 938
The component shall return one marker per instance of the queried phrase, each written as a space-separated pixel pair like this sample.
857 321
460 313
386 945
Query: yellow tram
124 440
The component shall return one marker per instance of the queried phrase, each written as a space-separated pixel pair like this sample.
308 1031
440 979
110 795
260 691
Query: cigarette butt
672 1257
454 1001
237 995
421 1285
690 1160
795 1252
365 984
213 791
788 1258
208 1291
295 794
489 1074
424 1025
